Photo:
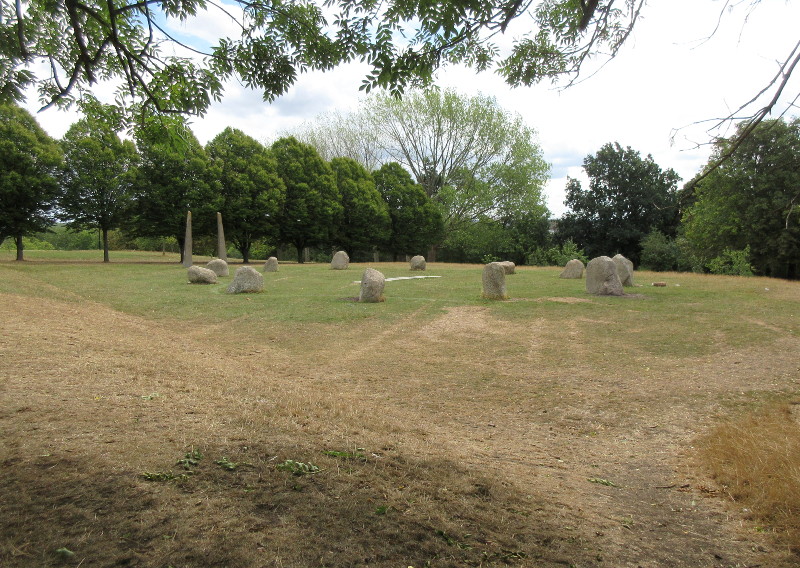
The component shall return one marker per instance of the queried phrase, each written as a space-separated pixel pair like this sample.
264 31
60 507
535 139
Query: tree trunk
245 250
105 245
300 253
179 238
18 241
432 253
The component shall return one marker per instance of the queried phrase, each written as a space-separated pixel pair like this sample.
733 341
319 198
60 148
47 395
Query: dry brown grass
755 460
545 433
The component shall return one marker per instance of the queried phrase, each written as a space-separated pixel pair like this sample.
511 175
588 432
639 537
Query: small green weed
225 463
164 476
298 468
190 460
351 456
151 396
605 482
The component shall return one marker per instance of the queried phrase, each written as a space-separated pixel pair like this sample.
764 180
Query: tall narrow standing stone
187 241
222 250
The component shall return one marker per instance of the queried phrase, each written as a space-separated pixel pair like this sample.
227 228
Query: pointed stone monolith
222 250
187 241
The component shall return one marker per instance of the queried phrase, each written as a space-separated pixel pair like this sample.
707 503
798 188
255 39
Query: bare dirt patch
458 444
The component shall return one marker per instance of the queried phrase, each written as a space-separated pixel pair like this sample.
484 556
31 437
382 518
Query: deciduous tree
628 196
365 215
99 176
29 165
253 194
752 200
176 176
313 209
416 222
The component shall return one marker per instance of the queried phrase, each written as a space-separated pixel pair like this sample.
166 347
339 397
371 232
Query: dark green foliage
365 216
99 176
29 165
557 255
252 192
175 176
313 210
628 196
752 200
416 223
659 252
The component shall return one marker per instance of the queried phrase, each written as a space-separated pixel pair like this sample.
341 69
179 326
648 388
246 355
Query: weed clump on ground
756 461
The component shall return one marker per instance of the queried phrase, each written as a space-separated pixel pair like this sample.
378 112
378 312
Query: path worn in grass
462 436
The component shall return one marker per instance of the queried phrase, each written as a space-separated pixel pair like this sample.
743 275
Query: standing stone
187 241
222 250
200 275
271 265
219 266
624 270
418 263
509 267
602 278
340 261
573 269
246 280
372 284
494 281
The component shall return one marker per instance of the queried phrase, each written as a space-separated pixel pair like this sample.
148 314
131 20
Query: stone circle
219 266
418 262
246 280
340 261
494 281
271 265
573 269
200 275
372 284
602 278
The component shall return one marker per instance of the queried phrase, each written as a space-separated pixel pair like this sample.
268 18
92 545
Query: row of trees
476 170
738 216
285 193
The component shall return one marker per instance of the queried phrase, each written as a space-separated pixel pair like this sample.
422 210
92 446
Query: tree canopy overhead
63 48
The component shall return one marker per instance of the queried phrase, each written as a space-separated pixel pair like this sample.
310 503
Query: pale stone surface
573 269
246 280
624 269
494 281
509 267
372 284
340 261
222 249
271 265
418 263
219 266
187 241
200 275
602 278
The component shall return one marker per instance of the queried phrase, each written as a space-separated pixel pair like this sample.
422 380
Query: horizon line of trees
740 218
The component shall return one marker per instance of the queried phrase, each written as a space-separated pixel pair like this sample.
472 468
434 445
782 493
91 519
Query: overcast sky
667 77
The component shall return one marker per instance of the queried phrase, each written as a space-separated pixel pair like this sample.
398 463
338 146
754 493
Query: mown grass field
553 429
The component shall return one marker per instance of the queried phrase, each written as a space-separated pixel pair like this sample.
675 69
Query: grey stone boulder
372 284
340 261
494 281
573 269
509 267
624 270
602 278
200 275
271 265
246 280
418 263
219 266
